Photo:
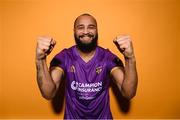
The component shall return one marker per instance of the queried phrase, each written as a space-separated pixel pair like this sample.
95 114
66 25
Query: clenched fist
44 47
124 44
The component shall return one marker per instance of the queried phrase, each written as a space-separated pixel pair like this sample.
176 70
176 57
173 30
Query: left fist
124 44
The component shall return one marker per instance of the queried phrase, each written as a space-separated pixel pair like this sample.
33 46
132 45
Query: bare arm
127 78
48 81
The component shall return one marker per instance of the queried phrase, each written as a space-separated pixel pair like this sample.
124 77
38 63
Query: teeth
86 36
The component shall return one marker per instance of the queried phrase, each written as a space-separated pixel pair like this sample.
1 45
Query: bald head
85 15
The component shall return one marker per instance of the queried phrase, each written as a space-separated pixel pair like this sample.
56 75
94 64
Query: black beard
86 47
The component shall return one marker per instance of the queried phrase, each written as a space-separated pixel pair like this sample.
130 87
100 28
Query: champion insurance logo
86 87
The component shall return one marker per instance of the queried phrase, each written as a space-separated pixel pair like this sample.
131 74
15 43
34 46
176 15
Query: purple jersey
87 84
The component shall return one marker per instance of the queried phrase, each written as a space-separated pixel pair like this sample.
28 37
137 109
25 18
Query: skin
49 80
84 25
126 79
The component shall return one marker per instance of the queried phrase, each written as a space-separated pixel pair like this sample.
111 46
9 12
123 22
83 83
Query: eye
80 27
92 27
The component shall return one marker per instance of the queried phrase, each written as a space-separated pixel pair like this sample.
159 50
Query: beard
86 47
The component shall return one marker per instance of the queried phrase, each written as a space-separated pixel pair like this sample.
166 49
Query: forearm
130 81
44 80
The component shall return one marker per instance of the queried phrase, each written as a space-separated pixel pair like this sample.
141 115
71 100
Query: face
85 33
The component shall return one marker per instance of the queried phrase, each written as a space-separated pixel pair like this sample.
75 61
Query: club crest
72 69
98 69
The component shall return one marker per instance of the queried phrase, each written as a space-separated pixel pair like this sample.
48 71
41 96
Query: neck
86 56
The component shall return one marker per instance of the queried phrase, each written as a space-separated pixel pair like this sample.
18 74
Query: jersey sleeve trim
57 68
114 68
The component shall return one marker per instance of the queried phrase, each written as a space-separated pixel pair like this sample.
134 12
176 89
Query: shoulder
106 52
110 56
60 58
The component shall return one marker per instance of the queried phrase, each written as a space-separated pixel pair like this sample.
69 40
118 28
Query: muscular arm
126 79
48 81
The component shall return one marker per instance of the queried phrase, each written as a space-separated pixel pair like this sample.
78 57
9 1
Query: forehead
85 20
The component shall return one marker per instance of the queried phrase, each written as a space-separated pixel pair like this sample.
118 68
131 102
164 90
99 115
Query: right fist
44 47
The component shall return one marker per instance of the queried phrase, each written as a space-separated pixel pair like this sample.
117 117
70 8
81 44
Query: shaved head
85 14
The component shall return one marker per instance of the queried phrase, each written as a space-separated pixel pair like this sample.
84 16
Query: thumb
53 42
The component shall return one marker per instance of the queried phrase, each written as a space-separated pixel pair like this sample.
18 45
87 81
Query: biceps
118 75
57 74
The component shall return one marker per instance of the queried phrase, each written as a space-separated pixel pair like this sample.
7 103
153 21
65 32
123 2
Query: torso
87 85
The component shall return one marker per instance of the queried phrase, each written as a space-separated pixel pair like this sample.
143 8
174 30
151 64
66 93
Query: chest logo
98 69
72 69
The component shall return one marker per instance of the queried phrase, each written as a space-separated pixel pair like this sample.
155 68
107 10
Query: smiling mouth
86 38
86 35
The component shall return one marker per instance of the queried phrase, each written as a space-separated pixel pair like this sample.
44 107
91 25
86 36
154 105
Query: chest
91 72
86 81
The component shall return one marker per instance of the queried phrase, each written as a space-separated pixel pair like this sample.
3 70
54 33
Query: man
87 70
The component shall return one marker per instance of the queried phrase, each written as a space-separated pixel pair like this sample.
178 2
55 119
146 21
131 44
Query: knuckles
45 44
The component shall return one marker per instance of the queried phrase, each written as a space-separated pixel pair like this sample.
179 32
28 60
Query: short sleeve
59 60
113 61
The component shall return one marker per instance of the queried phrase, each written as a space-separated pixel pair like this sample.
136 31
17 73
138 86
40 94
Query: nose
85 31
